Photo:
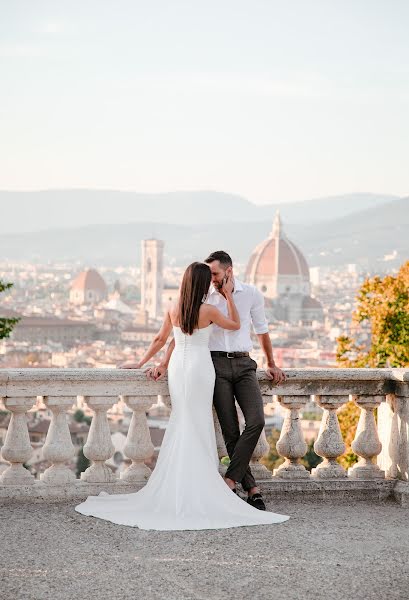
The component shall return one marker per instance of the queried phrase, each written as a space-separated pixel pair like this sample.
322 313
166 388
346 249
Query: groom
236 378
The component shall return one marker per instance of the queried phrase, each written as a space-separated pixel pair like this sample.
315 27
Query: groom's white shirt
250 305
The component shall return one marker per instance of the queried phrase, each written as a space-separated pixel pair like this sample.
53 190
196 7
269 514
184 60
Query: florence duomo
280 271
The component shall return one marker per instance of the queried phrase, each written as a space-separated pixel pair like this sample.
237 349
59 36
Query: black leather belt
229 354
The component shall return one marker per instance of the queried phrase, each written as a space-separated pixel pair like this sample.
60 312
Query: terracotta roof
51 321
40 427
8 313
310 302
89 280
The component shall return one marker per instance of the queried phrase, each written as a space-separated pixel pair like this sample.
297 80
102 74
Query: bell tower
152 277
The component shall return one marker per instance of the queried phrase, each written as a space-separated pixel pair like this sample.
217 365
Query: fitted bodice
199 337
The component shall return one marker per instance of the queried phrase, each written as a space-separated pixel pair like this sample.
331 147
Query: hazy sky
274 100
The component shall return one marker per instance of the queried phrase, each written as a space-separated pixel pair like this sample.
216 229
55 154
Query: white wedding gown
185 490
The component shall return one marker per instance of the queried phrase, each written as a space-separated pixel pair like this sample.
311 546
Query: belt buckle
230 355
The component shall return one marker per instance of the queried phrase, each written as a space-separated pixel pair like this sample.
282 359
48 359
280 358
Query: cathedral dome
88 288
89 280
277 266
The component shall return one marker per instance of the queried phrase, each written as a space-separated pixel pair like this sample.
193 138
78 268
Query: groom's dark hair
222 256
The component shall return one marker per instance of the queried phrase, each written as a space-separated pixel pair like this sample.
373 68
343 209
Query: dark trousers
236 380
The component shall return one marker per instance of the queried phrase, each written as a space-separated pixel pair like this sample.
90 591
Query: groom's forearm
265 343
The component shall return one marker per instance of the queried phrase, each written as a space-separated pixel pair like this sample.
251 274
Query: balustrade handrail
23 382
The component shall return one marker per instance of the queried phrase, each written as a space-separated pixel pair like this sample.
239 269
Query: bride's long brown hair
195 286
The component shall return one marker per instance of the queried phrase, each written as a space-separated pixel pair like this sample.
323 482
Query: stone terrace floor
325 551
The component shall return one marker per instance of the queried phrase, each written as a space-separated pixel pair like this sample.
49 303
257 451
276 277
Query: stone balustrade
381 442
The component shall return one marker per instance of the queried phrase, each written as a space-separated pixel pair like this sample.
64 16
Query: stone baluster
17 448
329 443
366 442
291 444
58 447
167 401
262 448
221 447
138 446
99 446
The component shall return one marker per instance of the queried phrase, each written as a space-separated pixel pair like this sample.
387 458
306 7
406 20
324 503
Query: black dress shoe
257 501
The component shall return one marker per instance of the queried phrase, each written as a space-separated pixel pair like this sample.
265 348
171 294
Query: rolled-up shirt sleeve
258 313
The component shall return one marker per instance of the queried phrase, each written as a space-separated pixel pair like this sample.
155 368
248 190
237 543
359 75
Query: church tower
152 277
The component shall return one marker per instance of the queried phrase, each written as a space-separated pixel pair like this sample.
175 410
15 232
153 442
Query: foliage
310 415
272 460
383 304
80 417
348 417
6 325
311 459
82 462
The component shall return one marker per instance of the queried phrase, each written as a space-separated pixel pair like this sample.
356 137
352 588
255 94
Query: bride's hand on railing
129 366
156 373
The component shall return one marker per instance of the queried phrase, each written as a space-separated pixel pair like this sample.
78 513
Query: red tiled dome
264 260
89 280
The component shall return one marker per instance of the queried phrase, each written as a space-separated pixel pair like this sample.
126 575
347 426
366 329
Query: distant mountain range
356 235
35 211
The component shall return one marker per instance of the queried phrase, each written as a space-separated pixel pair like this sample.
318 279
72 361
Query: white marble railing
383 447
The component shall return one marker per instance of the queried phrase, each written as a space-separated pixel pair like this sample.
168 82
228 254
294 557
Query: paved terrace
344 551
348 536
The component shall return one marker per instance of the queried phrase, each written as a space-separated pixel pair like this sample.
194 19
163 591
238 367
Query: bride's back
203 321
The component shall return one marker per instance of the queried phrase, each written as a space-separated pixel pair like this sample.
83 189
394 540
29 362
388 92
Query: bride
185 490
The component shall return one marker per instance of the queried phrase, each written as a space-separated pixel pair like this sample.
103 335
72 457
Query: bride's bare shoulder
207 309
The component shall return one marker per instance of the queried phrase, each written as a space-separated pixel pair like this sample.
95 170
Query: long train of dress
185 490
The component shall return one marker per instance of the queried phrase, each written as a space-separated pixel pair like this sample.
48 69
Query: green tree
348 417
82 462
383 308
272 460
311 459
80 417
6 325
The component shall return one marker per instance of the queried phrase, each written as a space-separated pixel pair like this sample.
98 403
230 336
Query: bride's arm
231 322
159 371
157 344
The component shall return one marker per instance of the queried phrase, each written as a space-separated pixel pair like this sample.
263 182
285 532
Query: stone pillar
138 445
221 447
167 401
329 444
366 442
291 444
58 447
17 447
99 446
393 429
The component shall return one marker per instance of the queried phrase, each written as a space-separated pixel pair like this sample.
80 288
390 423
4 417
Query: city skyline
273 102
